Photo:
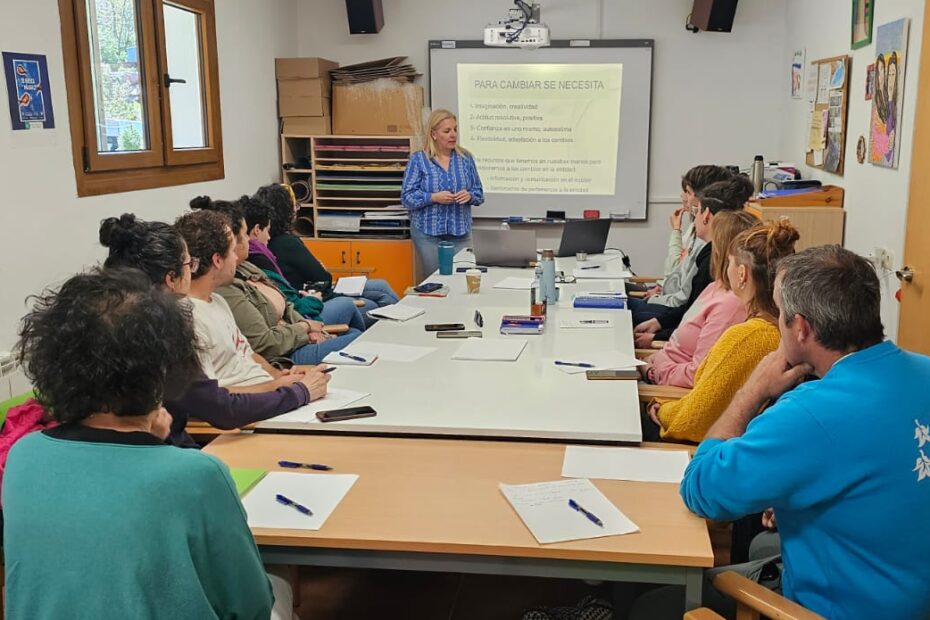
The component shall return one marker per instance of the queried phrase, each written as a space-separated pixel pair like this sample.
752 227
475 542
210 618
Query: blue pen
590 516
294 465
591 267
289 502
332 368
354 358
578 364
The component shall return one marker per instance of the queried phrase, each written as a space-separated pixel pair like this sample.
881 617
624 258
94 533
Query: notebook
245 478
396 312
352 286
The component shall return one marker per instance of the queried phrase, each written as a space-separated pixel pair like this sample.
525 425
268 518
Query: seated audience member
273 328
675 289
299 266
102 518
833 457
338 309
225 353
751 261
159 251
729 195
716 309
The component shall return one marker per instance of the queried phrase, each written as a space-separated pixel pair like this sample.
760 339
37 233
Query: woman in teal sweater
102 518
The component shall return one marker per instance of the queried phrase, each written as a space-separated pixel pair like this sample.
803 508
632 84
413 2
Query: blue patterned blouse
424 177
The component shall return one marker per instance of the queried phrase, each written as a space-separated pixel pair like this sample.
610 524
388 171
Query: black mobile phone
612 374
464 269
465 334
349 413
428 287
444 327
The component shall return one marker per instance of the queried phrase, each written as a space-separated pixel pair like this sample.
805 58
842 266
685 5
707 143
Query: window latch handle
170 80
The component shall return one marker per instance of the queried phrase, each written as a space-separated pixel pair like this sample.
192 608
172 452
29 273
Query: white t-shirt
226 354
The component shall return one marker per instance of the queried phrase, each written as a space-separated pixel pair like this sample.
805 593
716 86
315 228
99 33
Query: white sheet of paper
543 508
818 157
321 493
335 399
515 283
601 274
636 464
586 322
396 312
337 359
603 360
491 349
387 352
351 285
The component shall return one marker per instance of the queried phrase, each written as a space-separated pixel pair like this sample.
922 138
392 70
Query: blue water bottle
446 251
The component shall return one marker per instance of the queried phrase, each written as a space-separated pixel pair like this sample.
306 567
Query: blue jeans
377 293
311 354
342 310
643 310
427 247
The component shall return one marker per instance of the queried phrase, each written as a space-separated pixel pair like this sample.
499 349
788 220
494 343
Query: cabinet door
389 260
335 254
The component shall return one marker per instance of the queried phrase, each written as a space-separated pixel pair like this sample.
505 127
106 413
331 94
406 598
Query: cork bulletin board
826 145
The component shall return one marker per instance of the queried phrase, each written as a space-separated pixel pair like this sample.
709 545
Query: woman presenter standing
441 185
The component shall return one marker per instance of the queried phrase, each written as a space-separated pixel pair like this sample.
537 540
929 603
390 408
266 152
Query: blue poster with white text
28 91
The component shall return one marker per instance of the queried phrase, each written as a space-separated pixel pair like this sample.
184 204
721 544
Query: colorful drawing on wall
887 101
28 91
869 81
862 13
797 73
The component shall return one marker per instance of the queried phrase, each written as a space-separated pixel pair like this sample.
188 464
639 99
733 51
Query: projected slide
542 128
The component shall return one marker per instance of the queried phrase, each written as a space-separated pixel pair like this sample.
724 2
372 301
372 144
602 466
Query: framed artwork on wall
862 12
885 124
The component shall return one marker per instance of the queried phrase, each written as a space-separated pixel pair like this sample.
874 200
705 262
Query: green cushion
6 405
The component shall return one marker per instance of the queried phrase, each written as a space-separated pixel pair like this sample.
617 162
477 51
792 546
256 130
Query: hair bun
782 235
119 233
200 202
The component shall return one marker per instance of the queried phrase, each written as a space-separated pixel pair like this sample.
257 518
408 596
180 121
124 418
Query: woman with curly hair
299 266
103 353
158 250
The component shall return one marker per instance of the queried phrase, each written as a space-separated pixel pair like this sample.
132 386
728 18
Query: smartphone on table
349 413
428 287
444 327
594 375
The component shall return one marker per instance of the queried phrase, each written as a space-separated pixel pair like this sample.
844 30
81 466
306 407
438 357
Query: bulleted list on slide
542 128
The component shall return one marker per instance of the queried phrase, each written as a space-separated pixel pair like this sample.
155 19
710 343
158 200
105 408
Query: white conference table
525 399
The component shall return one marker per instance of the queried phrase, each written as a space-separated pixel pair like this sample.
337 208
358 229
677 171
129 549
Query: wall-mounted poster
28 91
862 13
869 81
887 100
797 73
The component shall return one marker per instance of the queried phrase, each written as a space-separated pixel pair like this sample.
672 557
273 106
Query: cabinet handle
358 257
343 257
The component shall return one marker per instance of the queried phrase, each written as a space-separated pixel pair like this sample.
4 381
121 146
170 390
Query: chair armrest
647 392
749 594
702 613
642 354
659 344
336 328
645 279
637 294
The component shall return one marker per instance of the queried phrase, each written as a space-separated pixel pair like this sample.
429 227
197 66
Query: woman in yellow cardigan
751 274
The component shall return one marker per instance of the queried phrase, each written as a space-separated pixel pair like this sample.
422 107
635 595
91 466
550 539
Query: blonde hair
435 118
727 225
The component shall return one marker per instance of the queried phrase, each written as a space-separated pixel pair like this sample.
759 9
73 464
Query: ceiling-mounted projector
520 29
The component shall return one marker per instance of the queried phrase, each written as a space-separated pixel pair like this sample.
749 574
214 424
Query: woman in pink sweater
715 310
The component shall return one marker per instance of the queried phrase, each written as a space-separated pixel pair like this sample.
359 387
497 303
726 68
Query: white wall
876 198
714 95
47 231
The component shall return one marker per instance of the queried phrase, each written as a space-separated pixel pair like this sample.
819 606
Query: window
143 93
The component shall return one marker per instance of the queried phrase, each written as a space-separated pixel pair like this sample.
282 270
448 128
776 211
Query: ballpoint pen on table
479 320
578 364
289 502
591 267
295 465
354 358
590 516
594 322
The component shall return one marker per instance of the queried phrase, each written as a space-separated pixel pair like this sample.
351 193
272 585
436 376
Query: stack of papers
491 349
604 360
544 508
320 493
515 283
396 312
636 464
338 223
602 273
351 285
335 399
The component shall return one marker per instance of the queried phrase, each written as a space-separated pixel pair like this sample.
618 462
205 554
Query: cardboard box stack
304 94
377 98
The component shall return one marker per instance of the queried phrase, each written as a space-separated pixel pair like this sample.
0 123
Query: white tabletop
528 398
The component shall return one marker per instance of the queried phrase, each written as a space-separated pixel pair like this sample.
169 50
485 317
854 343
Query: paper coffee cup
473 280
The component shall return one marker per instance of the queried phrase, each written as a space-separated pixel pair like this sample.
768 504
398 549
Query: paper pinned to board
636 464
544 509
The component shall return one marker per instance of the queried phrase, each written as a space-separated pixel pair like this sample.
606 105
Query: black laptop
584 236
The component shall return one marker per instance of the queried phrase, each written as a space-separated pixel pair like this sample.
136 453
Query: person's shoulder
752 330
195 467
